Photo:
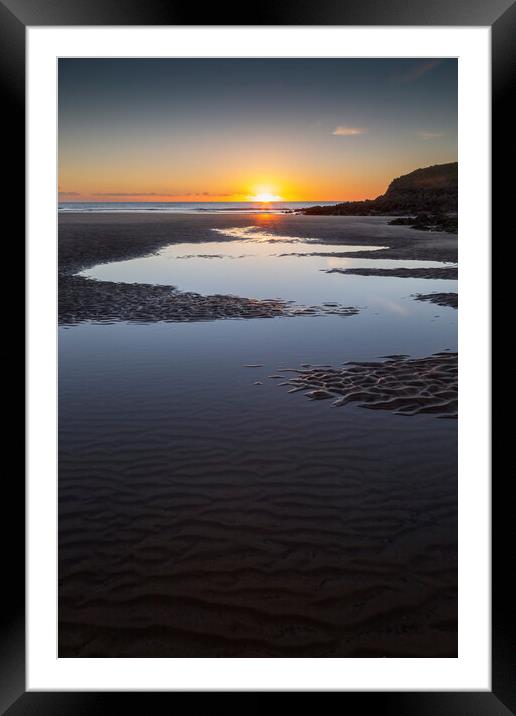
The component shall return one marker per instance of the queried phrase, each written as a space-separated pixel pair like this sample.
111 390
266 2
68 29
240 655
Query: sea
187 207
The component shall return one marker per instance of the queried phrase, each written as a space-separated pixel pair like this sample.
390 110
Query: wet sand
87 240
405 386
430 273
440 299
83 299
198 519
203 515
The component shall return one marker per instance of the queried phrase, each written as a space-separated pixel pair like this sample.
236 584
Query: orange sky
227 130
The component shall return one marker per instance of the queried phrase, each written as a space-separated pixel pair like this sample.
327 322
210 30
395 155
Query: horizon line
248 201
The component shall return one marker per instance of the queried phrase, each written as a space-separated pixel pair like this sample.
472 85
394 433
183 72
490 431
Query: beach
206 506
86 240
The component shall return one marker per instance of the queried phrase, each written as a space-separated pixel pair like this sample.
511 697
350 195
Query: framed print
258 433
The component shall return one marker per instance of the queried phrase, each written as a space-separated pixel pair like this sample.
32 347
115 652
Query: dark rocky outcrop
428 222
431 190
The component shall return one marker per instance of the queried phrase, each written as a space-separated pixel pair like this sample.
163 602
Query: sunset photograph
257 357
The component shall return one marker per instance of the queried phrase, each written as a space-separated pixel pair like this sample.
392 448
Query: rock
431 190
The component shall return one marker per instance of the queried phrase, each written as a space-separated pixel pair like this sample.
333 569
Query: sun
265 197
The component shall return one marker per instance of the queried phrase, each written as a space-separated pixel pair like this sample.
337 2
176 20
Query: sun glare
265 197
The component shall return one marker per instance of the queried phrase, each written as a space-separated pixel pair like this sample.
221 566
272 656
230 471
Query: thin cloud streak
418 71
156 193
342 131
129 193
429 135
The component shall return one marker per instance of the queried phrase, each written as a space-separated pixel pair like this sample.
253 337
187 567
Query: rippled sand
431 273
440 299
405 386
86 240
205 512
202 528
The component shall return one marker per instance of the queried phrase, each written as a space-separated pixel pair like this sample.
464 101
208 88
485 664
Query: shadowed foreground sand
201 515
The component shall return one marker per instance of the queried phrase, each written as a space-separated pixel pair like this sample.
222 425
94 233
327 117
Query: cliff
429 190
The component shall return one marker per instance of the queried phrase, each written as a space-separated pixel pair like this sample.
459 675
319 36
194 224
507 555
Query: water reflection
257 267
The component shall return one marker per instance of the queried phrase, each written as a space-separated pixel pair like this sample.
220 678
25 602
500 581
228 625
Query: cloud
417 71
154 193
342 131
429 135
69 193
126 193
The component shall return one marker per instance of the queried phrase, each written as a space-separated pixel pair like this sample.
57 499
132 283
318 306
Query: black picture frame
15 17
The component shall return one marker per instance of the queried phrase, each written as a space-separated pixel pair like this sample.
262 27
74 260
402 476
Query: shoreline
124 238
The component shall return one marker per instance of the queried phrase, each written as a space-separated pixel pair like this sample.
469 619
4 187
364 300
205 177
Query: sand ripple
83 299
193 526
441 299
405 386
447 272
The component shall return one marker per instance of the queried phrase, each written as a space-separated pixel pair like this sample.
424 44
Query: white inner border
471 670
